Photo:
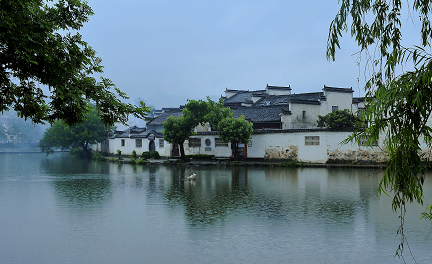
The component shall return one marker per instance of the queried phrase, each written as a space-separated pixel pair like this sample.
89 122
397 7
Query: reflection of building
284 128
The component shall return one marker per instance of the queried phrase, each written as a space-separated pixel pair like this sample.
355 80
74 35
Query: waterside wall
301 145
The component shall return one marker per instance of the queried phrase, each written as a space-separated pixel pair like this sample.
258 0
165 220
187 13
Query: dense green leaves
235 130
176 131
216 112
62 136
338 119
39 47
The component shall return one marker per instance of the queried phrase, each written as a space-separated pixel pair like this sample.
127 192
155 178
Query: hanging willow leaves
398 103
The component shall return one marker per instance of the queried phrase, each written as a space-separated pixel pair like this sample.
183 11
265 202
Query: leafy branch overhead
47 70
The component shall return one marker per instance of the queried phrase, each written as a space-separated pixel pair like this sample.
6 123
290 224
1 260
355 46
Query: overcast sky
169 51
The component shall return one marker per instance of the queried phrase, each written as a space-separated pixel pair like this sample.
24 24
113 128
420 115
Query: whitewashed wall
342 100
130 145
293 146
285 146
208 149
296 119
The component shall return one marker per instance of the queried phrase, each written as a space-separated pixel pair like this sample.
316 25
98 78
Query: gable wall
342 100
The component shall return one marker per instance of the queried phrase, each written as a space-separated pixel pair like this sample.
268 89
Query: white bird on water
192 177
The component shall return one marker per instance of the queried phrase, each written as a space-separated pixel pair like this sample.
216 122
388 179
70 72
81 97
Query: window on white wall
334 108
122 142
194 142
138 143
220 143
312 141
161 143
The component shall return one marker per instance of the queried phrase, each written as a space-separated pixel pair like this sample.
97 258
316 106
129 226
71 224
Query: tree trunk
86 150
182 152
235 146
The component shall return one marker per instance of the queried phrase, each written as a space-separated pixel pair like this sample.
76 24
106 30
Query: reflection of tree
65 164
209 202
78 181
84 191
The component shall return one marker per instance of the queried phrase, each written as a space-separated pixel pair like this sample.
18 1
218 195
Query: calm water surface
58 209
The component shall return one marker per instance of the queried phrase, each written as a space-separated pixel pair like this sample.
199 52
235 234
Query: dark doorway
151 146
175 150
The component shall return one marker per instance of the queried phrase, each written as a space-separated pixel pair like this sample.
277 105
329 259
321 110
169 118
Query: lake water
58 209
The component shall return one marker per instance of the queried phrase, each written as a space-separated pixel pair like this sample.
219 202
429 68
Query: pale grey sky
169 51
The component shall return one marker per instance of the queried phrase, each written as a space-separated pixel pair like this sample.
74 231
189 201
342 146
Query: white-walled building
284 123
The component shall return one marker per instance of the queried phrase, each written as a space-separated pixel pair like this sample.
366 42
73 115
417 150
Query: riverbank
245 162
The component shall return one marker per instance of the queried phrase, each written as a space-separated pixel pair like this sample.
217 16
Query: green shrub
155 155
134 154
78 152
118 153
145 155
97 156
132 161
141 161
338 119
113 160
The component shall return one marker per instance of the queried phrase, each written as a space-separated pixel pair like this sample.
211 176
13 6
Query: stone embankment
253 163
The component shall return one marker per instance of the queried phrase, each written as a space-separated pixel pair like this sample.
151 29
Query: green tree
397 105
60 135
216 112
337 119
195 111
235 130
176 131
40 46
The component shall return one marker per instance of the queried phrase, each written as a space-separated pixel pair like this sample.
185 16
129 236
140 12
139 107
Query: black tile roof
278 87
337 89
238 98
161 118
303 98
133 130
259 114
358 100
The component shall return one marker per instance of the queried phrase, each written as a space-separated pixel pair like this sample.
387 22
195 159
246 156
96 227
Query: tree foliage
61 135
398 101
235 130
216 112
40 46
338 119
176 131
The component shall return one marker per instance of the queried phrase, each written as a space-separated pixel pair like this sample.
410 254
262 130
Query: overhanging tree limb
39 45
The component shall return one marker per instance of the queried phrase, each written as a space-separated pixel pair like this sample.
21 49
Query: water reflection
88 212
78 182
83 192
281 196
209 200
